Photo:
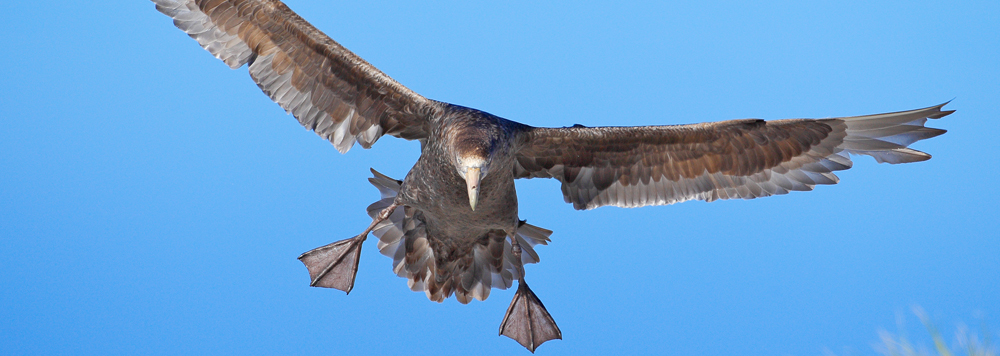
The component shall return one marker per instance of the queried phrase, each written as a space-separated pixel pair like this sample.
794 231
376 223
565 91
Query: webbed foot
527 321
334 265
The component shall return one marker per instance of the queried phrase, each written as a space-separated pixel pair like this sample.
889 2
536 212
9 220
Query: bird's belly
457 217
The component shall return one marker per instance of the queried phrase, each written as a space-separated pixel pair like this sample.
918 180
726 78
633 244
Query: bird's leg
527 321
335 265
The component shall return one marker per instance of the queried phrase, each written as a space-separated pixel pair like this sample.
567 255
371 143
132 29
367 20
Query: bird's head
473 165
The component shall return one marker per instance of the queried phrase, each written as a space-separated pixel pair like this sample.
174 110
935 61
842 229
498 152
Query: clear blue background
153 201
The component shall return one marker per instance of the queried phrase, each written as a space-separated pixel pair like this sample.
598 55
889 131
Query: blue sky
153 201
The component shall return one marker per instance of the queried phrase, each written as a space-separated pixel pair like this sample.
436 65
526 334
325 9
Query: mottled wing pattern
474 269
326 87
658 165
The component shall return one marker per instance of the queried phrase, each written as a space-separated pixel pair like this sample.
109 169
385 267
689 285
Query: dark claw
527 321
334 265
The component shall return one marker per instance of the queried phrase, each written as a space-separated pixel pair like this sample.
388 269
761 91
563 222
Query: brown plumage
451 225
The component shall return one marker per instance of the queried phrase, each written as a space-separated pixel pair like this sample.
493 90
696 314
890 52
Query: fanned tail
491 263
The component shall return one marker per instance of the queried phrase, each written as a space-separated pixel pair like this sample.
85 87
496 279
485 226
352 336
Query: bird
451 225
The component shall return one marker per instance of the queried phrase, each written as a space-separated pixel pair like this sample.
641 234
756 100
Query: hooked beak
472 180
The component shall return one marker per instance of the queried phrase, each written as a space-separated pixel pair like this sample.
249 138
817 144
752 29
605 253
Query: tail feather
489 265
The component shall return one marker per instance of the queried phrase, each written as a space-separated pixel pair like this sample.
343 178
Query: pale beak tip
472 179
473 197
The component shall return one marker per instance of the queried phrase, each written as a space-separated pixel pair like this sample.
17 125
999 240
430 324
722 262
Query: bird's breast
443 198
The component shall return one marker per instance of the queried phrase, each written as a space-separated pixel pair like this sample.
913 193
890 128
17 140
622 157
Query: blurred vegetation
965 342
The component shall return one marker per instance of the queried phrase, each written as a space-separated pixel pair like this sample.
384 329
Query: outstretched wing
659 165
326 87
